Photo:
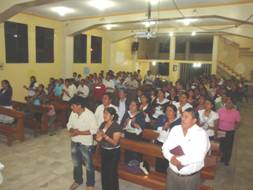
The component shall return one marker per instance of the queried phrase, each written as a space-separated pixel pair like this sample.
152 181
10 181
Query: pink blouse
228 119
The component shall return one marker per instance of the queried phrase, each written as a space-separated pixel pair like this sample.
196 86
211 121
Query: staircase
246 52
227 72
245 47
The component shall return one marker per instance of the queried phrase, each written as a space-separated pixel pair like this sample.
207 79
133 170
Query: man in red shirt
99 90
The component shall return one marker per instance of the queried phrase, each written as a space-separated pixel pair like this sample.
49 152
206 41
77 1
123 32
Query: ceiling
201 22
83 10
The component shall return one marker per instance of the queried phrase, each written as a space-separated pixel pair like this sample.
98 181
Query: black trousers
226 145
131 155
109 169
161 164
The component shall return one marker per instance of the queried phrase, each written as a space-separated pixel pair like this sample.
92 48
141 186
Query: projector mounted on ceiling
148 24
145 34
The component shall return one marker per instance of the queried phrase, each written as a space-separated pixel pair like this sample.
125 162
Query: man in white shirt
83 90
185 149
131 84
109 84
122 103
82 126
69 90
106 102
148 78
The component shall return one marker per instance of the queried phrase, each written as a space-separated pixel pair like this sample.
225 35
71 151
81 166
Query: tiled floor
44 163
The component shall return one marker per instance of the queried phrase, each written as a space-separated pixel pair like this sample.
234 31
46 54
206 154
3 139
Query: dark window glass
96 49
44 45
205 47
164 47
163 69
16 42
180 46
80 48
159 69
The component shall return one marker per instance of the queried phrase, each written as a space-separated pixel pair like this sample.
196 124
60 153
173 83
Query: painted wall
122 58
18 74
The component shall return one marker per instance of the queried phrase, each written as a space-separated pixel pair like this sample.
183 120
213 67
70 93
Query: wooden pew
151 135
61 112
15 130
40 126
150 152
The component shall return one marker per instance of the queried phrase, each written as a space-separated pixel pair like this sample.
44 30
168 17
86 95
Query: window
159 68
16 42
154 48
198 47
80 48
44 45
164 47
96 49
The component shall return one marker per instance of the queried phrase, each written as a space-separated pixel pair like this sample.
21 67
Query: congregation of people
107 106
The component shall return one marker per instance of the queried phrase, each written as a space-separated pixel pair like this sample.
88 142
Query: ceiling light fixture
154 2
101 4
196 65
187 21
149 23
193 33
62 11
110 26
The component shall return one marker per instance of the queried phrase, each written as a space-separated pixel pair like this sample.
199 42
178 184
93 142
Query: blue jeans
79 154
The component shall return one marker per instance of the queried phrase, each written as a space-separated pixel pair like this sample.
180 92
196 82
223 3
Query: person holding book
185 149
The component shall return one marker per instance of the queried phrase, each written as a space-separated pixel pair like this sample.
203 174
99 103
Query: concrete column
187 50
215 54
173 74
67 56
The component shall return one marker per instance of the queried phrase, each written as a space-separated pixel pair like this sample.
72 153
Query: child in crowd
51 117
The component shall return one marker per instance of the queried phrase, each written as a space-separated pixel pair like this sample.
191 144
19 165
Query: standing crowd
106 107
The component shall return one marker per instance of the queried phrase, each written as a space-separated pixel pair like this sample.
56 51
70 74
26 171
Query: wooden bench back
10 131
151 135
29 107
12 113
150 152
42 125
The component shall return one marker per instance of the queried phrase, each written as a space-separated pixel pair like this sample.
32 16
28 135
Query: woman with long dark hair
6 100
208 119
165 123
108 136
5 93
133 124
